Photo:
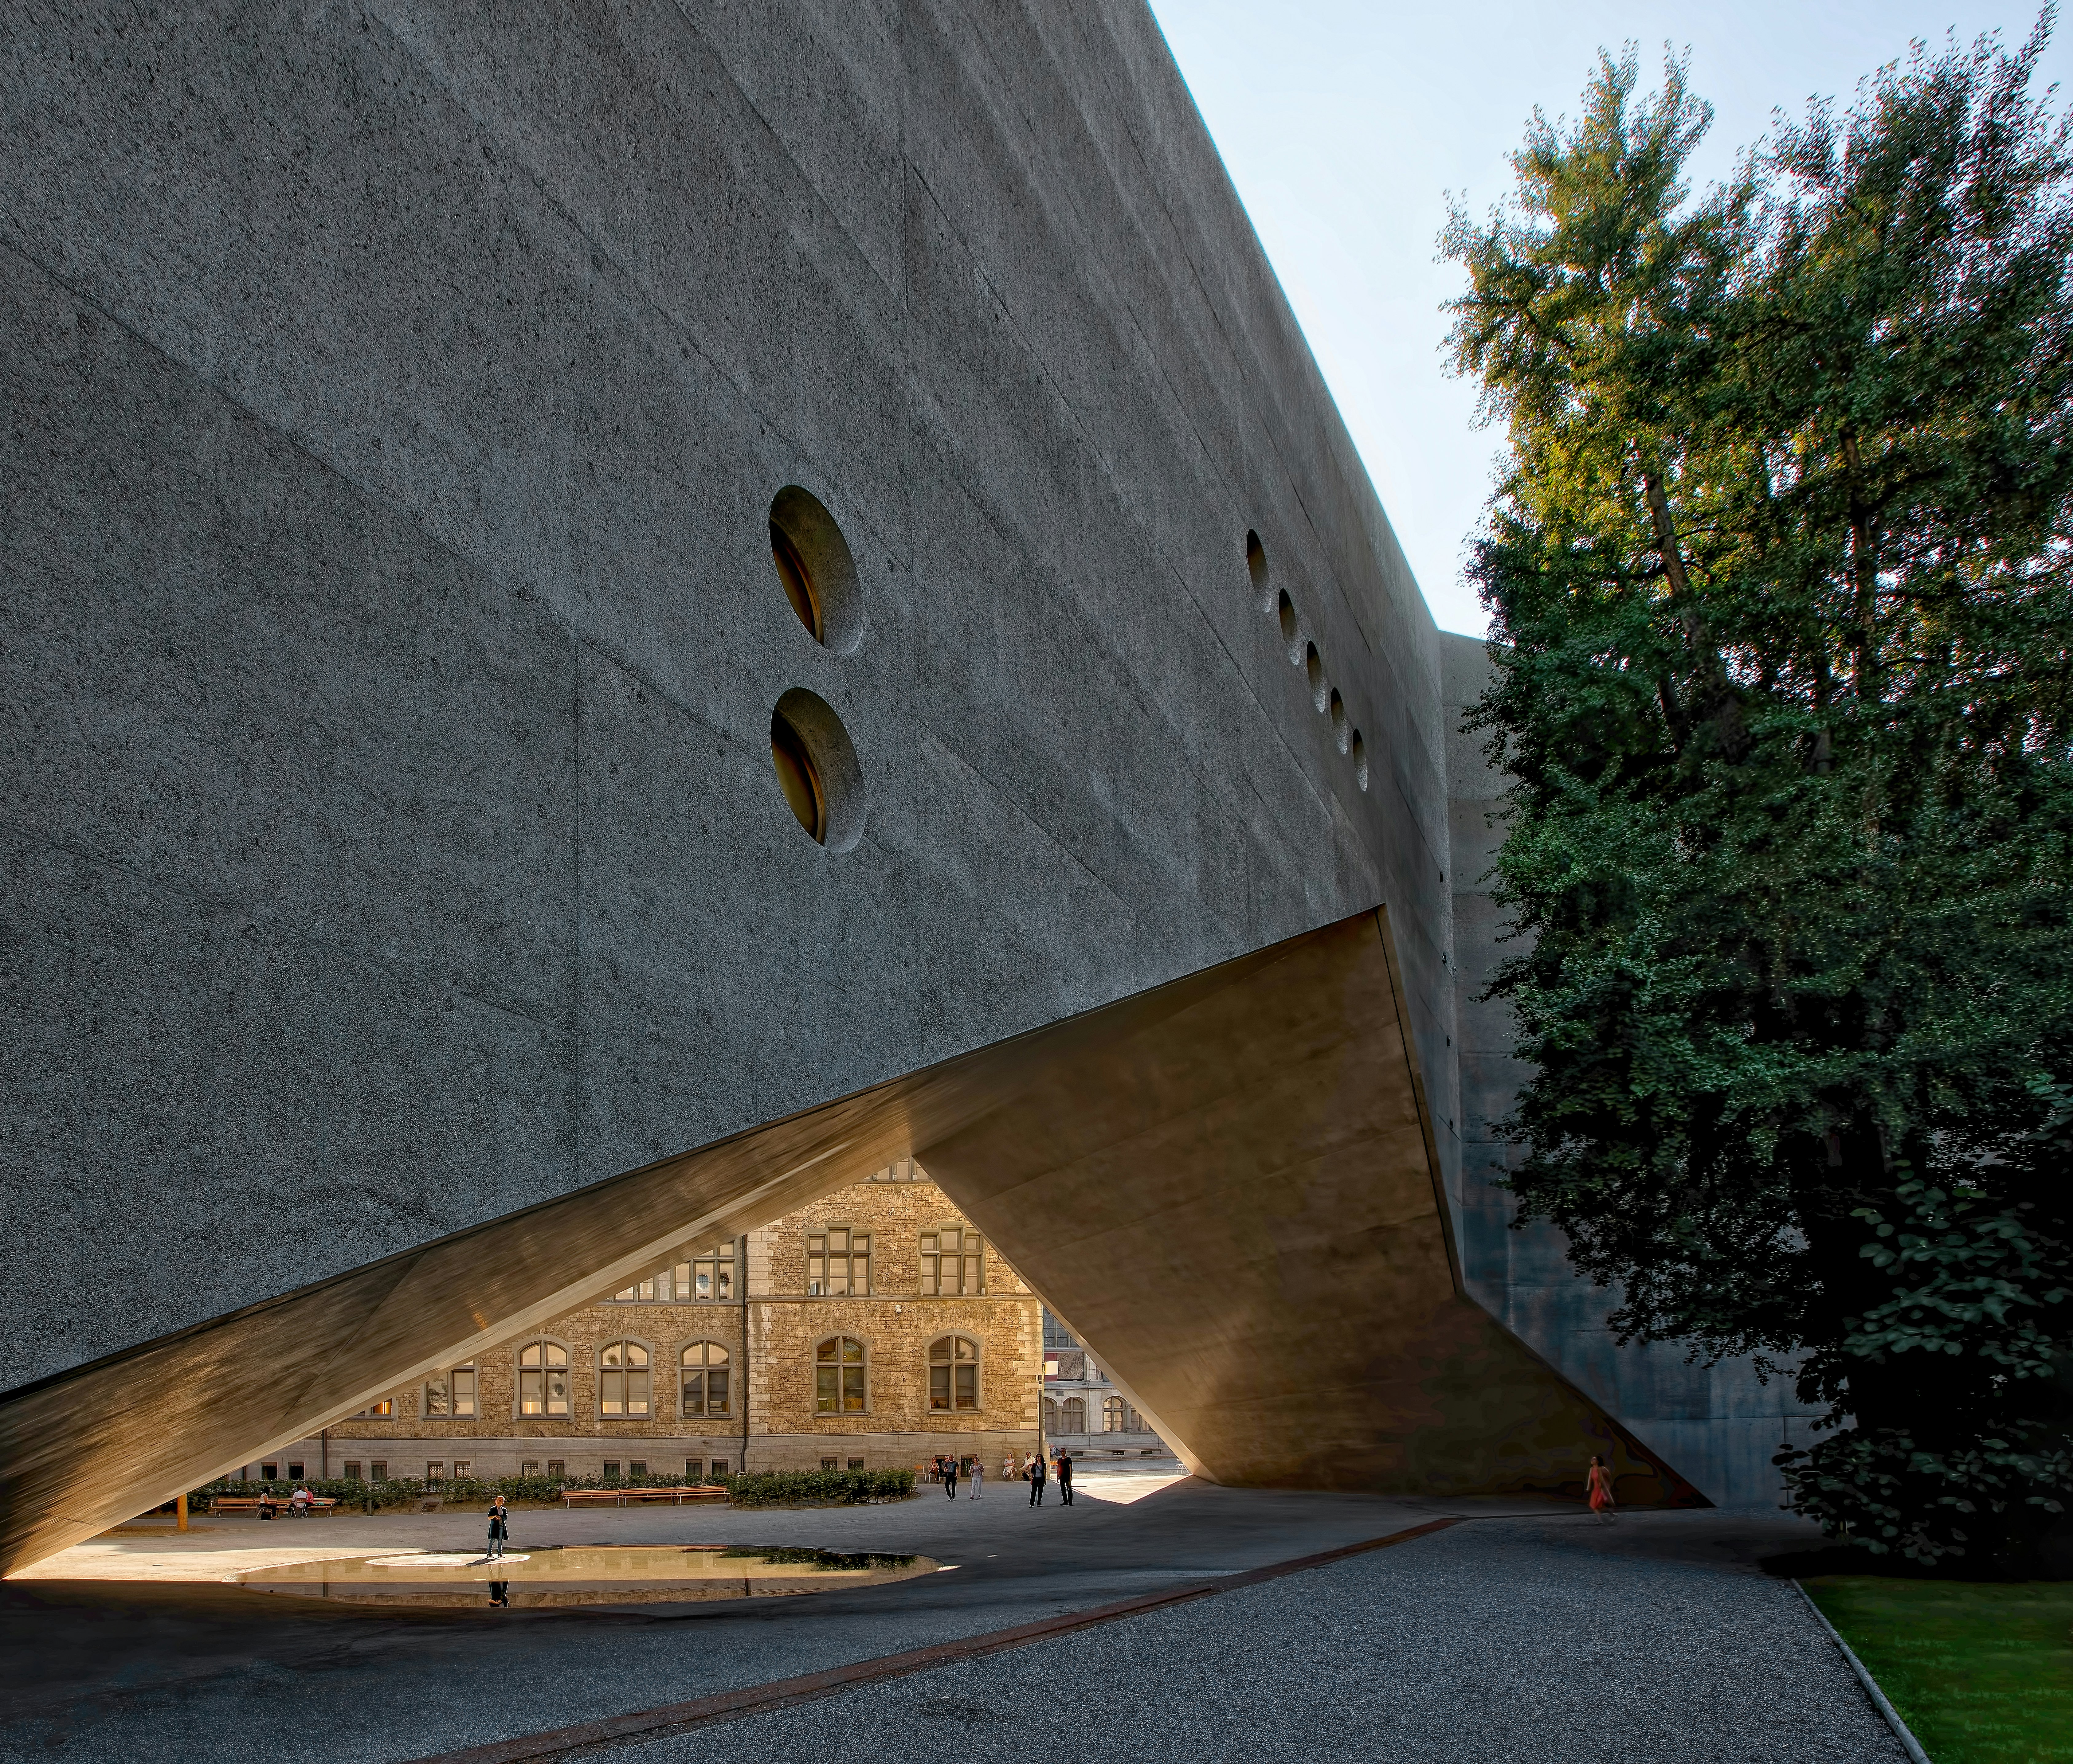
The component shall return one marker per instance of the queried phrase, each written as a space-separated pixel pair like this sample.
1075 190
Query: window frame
849 1256
604 1371
933 1255
520 1369
705 1369
951 1365
452 1376
839 1365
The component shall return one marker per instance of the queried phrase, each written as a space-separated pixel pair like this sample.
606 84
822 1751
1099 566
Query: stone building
881 1330
1084 1413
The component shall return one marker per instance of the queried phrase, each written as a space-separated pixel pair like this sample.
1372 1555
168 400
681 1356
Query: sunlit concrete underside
1226 1183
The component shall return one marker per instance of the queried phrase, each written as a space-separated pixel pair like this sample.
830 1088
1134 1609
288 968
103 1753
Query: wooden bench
279 1503
618 1497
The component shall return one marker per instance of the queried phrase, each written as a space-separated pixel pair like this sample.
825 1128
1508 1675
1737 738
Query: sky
1343 125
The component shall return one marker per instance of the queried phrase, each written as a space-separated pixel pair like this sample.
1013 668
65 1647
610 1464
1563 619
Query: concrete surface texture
1720 1424
1654 1635
398 396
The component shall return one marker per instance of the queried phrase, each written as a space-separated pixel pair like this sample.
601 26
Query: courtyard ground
1526 1630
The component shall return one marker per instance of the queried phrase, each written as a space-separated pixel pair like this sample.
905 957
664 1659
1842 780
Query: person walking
978 1476
1065 1479
1598 1485
498 1530
1036 1480
951 1477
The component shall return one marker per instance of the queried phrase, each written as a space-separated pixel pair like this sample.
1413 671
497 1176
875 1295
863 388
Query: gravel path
1500 1640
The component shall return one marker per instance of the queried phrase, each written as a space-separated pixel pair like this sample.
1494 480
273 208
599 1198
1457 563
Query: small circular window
1313 665
1292 634
1360 760
815 569
1256 565
816 768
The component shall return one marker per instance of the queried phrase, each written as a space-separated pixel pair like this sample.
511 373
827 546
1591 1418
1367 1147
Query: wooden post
180 1514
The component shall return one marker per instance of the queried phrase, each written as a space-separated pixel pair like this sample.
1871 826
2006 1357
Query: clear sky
1343 124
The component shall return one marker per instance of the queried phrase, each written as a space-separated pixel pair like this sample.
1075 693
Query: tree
1782 603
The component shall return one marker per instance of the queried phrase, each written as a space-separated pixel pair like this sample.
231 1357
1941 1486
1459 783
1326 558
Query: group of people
947 1469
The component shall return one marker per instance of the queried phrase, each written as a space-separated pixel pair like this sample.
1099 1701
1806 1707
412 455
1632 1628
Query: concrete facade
398 881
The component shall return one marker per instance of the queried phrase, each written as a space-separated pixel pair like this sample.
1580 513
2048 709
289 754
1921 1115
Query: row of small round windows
811 752
1303 653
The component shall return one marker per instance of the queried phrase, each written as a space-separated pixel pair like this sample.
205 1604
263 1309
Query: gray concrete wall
388 637
1719 1425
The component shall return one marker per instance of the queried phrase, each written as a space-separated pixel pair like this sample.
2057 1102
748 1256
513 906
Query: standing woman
1598 1485
978 1476
1036 1481
498 1532
951 1477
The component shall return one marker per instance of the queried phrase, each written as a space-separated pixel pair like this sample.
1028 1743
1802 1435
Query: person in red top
1598 1485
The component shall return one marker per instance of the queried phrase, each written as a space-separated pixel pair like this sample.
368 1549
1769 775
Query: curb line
784 1692
1900 1731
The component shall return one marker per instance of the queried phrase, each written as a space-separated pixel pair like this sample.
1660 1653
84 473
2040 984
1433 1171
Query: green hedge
787 1488
768 1488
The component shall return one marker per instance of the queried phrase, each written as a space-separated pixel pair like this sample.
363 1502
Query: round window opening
815 569
1313 665
1256 565
1360 760
1292 635
816 768
1341 730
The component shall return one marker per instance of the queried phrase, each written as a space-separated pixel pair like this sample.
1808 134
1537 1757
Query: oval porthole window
815 569
1313 665
1256 565
1292 634
816 768
1341 730
1360 760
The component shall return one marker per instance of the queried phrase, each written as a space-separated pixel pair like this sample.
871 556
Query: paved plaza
1522 1632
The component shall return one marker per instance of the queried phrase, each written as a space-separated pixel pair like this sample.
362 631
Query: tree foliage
1783 620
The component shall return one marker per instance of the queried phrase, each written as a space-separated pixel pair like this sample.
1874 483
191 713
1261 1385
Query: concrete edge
809 1687
1912 1745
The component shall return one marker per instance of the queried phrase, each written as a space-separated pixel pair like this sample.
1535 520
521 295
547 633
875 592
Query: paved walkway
1550 1637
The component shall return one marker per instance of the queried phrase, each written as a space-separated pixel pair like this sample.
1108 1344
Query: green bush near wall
768 1488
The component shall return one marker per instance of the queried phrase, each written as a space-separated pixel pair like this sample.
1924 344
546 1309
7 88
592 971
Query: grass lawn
1982 1672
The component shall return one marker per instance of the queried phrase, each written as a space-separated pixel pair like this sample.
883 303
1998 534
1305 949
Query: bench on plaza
279 1503
618 1497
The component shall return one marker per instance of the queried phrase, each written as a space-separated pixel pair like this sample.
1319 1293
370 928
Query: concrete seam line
784 1692
1900 1729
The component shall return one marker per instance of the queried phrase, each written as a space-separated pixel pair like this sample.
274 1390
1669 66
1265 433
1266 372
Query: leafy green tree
1782 599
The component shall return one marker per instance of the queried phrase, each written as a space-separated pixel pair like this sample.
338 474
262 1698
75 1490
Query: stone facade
894 1322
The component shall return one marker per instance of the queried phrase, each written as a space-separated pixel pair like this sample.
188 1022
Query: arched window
1075 1418
1114 1412
1050 1414
622 1379
953 1373
543 1379
704 1379
839 1387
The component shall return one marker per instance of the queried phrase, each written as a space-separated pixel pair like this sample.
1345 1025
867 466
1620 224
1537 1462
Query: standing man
498 1530
950 1476
1037 1478
1065 1479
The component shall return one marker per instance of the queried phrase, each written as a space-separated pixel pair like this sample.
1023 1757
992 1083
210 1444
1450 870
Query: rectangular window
856 1463
353 1470
657 1289
611 1470
378 1412
464 1392
694 1469
530 1467
462 1466
953 1262
838 1262
295 1472
638 1468
270 1472
435 1471
554 1467
827 1463
378 1470
719 1469
710 1276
